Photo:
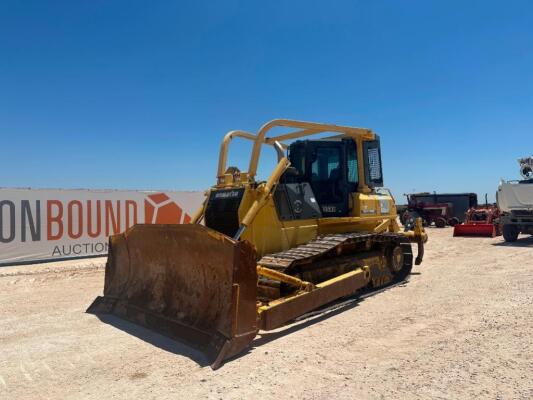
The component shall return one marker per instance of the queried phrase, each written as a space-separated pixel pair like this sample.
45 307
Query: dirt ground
460 328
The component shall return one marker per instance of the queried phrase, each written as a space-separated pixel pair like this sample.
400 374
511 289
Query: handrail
304 128
223 158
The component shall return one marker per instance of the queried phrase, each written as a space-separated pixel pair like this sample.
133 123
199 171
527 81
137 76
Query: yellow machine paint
271 250
266 231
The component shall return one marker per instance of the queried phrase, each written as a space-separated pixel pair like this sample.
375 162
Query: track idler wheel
395 259
399 258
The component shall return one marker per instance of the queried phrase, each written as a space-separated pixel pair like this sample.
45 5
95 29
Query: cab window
326 165
353 173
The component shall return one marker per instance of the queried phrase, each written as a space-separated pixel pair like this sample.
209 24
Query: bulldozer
259 254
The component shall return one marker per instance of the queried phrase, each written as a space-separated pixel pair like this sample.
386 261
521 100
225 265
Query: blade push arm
265 191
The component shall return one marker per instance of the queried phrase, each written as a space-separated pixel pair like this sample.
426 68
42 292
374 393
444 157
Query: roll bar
303 129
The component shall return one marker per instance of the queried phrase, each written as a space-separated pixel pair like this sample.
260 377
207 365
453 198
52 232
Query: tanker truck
515 200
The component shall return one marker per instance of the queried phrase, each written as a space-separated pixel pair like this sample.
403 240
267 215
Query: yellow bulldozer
259 254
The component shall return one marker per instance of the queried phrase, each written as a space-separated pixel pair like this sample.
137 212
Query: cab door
327 174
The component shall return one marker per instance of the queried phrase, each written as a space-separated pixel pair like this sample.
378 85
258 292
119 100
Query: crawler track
331 255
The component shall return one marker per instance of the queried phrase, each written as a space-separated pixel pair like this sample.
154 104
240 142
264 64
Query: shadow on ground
154 338
521 242
321 314
295 326
302 322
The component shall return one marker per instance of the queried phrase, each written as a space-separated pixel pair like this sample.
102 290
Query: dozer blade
186 282
474 230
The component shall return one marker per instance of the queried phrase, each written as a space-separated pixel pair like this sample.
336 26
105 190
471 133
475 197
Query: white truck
515 200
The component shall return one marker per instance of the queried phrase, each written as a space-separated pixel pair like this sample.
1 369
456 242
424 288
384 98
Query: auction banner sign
47 224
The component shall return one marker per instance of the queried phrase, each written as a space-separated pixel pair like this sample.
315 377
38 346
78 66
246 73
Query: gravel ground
460 328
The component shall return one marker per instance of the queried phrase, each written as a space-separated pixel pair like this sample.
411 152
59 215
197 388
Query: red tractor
440 214
480 221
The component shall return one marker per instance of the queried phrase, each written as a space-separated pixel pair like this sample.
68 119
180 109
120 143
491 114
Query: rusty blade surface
184 281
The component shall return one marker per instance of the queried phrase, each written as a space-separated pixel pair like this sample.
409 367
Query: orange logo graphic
160 209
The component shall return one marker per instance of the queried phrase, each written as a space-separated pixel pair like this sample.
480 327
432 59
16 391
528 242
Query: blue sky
137 94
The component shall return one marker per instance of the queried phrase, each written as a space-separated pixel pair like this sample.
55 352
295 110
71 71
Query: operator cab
322 175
